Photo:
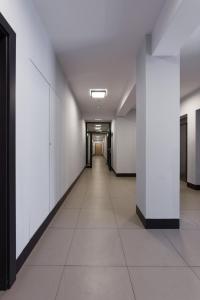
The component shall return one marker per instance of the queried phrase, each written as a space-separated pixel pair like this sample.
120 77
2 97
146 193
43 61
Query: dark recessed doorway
97 128
183 148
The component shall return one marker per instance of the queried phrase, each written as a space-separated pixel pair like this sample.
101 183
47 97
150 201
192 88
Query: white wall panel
37 139
124 143
55 148
38 73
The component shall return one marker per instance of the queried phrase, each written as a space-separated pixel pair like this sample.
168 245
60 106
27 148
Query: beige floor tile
73 202
97 203
128 219
96 247
97 194
83 283
65 218
190 200
187 243
100 202
124 204
190 219
98 218
149 248
196 270
52 249
35 283
165 284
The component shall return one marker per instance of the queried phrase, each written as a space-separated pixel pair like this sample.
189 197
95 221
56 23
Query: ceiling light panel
98 93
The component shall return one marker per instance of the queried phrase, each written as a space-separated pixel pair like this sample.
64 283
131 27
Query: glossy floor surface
96 248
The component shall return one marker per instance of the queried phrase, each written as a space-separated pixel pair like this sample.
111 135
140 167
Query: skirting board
158 223
31 244
193 186
123 174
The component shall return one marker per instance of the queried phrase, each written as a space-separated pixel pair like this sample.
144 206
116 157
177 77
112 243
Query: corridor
96 248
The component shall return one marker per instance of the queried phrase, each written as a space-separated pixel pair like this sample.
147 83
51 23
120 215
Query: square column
158 139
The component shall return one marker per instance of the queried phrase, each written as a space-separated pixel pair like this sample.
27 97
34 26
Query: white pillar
158 138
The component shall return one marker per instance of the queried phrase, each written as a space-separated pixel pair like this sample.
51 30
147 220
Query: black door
7 156
183 148
109 158
89 150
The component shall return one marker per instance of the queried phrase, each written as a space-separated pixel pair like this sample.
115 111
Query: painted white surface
124 144
189 107
40 89
128 103
114 144
190 65
176 23
198 147
158 135
97 41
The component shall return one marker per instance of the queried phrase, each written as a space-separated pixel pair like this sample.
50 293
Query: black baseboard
193 186
126 174
158 223
123 174
31 244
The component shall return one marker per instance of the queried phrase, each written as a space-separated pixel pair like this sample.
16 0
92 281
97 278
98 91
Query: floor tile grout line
185 261
123 250
67 256
59 282
114 266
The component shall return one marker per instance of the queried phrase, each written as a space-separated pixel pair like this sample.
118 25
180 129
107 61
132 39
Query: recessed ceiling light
98 93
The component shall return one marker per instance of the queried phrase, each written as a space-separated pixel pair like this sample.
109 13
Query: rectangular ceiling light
98 93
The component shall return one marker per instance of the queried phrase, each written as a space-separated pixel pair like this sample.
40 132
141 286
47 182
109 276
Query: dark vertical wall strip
183 148
7 156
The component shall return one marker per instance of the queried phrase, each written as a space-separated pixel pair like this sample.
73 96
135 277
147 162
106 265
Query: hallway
96 248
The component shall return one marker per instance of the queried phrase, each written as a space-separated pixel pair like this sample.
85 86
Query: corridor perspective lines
97 249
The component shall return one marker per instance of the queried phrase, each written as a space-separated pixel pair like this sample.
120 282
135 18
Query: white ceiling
190 65
96 42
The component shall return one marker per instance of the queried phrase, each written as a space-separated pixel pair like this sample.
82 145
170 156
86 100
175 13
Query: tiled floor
96 248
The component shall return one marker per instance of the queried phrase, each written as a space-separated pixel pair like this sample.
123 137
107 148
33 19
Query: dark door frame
88 162
7 155
109 152
184 121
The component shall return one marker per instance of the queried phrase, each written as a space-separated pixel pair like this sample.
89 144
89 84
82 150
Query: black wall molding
193 186
123 174
31 244
158 223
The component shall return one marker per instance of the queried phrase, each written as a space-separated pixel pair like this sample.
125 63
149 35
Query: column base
158 223
193 186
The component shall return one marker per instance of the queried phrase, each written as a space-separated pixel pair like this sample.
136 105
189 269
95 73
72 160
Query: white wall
124 144
189 107
114 144
43 171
